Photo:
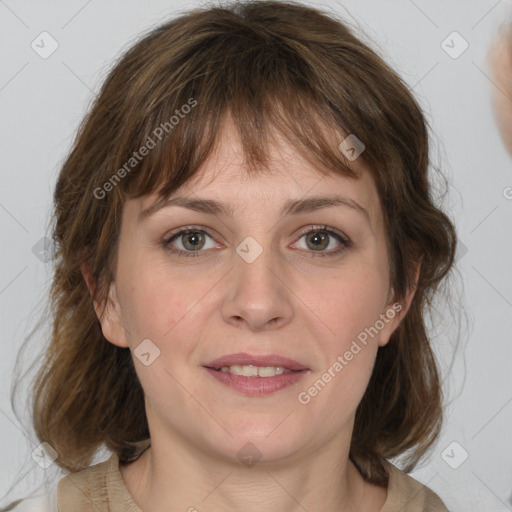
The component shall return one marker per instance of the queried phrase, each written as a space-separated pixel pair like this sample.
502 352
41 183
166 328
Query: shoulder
86 489
97 488
408 495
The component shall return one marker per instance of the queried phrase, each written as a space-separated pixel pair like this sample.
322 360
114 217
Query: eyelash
345 241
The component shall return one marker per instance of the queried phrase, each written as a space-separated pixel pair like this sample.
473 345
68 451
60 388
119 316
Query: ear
111 319
395 311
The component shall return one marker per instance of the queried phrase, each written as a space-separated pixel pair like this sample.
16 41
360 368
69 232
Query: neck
179 477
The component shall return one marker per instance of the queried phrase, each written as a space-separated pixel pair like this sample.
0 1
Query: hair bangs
257 78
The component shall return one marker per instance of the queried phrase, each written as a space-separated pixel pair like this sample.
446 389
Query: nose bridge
256 294
256 267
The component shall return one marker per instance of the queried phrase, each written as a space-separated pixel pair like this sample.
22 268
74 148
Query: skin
288 301
500 59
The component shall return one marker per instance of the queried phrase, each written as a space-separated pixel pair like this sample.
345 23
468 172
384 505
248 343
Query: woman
246 248
500 58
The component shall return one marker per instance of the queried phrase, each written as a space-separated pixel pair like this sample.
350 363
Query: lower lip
257 385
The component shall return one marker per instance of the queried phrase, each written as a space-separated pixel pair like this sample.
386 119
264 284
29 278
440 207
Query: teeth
255 371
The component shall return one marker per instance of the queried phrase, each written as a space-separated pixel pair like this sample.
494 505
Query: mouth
256 385
256 375
254 371
241 360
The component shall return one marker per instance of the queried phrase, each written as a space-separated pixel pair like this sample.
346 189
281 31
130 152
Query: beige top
101 488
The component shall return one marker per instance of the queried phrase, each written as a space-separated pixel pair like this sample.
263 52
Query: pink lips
244 359
256 385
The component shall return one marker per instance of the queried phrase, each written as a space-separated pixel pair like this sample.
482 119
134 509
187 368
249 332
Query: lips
244 359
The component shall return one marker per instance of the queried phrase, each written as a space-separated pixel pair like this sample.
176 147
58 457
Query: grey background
43 100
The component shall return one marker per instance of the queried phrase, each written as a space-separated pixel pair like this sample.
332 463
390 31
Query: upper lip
244 359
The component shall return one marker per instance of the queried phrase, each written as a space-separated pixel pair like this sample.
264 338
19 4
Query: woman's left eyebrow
290 207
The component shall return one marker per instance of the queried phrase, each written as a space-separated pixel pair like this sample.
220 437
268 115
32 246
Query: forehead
224 177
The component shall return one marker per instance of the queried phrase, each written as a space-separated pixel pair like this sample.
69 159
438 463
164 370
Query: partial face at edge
501 67
307 297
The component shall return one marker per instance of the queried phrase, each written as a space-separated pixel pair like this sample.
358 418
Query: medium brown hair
269 66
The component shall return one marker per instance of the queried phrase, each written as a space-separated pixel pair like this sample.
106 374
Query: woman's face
260 283
501 67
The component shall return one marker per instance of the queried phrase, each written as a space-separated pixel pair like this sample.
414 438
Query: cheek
348 336
157 303
346 312
348 303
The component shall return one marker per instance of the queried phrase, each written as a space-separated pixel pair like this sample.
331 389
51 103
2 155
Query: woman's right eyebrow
290 207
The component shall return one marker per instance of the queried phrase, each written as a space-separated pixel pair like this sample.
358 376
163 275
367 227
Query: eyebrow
290 207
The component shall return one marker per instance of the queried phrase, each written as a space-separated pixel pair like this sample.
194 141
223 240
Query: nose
259 294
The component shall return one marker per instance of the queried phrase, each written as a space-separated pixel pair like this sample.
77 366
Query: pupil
195 238
316 237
